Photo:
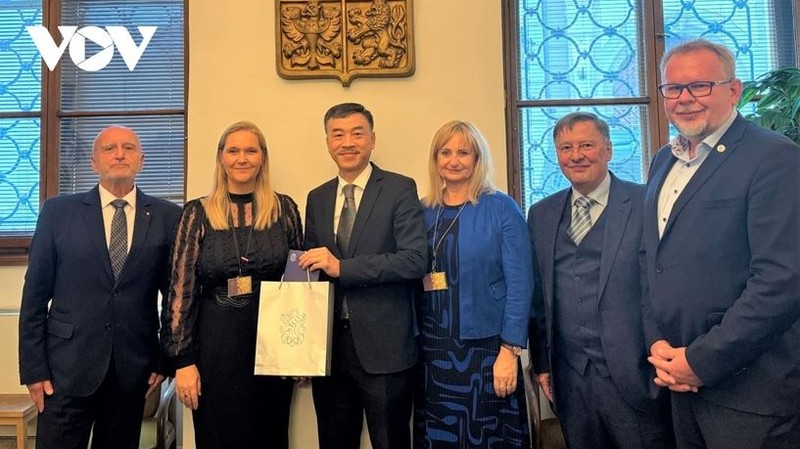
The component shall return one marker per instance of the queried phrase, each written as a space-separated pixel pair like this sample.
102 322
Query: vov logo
75 38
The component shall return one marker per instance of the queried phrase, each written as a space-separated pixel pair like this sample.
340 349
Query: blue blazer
90 316
382 266
725 276
619 293
494 266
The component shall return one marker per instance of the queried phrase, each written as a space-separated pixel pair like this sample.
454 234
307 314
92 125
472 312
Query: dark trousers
254 415
112 416
342 399
699 424
594 415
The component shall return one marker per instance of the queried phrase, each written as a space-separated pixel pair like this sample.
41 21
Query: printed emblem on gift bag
293 327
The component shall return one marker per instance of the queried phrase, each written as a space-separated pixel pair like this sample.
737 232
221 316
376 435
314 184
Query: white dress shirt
684 169
106 198
361 183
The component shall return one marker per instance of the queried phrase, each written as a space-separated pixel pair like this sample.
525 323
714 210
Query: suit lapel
657 177
368 200
141 225
327 236
550 224
617 212
713 161
93 218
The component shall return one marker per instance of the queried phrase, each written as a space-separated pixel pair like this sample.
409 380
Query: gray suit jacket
619 293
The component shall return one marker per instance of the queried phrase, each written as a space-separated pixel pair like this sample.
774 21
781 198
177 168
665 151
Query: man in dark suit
588 344
722 235
90 358
366 233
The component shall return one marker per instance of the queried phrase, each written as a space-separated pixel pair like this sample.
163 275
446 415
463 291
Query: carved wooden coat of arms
344 39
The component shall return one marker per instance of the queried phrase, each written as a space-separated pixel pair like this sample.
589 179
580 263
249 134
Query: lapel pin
720 148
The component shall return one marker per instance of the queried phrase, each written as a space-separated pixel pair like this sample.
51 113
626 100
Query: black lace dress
202 326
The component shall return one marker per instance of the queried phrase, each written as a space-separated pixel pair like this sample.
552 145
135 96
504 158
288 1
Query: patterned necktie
581 219
118 246
346 219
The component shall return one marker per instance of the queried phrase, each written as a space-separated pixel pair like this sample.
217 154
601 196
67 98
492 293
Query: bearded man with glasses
722 237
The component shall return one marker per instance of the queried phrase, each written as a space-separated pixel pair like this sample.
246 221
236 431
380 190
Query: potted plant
776 97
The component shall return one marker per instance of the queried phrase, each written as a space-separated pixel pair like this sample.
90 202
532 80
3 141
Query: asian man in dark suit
587 339
365 231
88 327
722 235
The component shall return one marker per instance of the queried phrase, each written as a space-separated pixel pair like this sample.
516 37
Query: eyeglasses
696 89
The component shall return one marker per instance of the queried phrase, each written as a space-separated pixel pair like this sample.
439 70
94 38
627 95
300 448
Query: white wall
232 76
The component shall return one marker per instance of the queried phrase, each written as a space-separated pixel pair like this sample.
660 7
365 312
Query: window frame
654 36
14 248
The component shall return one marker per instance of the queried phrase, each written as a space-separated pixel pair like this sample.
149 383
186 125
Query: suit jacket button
108 326
659 269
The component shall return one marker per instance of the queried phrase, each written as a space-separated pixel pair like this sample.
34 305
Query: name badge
435 281
240 285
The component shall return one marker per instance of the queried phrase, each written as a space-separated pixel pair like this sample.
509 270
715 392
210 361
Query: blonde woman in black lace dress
225 245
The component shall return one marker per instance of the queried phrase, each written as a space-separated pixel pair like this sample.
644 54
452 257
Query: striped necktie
581 219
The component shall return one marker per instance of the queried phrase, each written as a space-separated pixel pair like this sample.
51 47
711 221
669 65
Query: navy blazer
90 316
494 266
724 277
384 261
620 292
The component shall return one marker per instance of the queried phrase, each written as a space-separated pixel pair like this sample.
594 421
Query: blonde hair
266 207
481 179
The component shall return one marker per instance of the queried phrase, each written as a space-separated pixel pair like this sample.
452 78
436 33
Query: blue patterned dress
457 406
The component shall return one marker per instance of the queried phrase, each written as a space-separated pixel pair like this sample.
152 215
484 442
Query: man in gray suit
587 342
365 231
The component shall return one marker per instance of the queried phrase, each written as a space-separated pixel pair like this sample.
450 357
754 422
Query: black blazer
725 277
619 293
91 316
386 258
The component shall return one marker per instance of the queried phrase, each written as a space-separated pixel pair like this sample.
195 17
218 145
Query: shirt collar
360 181
679 145
107 197
599 194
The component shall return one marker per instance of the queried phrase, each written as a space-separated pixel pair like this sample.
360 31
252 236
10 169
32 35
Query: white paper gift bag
294 329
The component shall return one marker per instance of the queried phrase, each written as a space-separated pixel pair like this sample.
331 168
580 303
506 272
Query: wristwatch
516 350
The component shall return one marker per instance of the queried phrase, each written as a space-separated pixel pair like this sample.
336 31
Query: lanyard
436 227
241 259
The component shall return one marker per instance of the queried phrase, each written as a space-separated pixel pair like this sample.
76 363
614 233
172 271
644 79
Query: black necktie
118 245
346 218
343 231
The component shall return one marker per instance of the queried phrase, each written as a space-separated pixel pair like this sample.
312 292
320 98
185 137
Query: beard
692 129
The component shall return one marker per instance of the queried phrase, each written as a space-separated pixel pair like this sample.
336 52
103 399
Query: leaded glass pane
754 30
572 49
19 175
541 175
20 69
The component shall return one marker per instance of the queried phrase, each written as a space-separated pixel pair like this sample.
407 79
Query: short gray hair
723 53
